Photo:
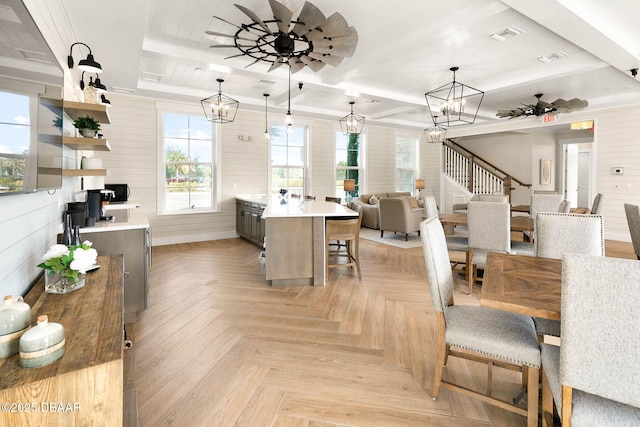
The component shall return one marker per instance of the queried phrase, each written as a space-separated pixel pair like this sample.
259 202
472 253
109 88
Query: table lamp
349 186
419 187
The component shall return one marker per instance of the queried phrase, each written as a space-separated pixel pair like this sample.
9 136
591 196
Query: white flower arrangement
69 261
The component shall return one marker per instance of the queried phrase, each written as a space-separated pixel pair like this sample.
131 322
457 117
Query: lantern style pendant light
352 123
458 103
435 134
220 108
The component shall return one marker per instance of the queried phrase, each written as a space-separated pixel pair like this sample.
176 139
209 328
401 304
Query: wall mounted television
31 130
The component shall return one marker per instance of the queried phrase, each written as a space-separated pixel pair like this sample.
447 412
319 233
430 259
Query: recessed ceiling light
151 77
506 33
558 54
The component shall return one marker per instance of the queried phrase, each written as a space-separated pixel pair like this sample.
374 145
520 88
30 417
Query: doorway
578 173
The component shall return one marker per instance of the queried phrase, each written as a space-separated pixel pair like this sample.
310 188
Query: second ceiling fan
542 107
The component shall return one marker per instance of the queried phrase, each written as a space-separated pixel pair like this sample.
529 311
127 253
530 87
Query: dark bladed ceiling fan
542 107
311 40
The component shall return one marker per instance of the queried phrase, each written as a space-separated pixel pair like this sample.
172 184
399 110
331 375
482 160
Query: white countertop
261 199
295 208
124 219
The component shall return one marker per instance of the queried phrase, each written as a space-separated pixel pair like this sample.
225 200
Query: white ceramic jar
15 320
42 344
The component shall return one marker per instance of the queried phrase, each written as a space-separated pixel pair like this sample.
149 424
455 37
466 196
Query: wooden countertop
92 318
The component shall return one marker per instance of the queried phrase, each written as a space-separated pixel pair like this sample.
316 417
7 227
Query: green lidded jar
42 344
15 320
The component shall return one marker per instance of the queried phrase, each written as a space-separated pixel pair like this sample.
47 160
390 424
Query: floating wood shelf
84 172
80 143
76 109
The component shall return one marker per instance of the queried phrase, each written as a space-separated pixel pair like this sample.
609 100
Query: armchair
396 215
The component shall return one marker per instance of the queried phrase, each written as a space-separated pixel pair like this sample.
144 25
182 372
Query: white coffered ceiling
159 48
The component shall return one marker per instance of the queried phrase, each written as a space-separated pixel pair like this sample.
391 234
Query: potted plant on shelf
87 126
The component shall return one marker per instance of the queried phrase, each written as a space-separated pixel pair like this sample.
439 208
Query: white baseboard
190 238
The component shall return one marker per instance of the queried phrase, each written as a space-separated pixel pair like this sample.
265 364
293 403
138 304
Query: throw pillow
413 202
374 200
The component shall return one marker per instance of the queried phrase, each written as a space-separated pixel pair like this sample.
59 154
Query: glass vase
55 283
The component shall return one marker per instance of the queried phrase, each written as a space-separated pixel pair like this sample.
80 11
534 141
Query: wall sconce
220 108
89 64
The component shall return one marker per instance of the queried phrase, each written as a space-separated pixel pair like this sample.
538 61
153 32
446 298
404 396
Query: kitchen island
295 239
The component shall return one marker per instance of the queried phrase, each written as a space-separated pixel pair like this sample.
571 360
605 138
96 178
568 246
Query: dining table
522 284
449 221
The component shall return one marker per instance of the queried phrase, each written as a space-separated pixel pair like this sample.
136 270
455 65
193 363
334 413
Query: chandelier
458 103
220 108
352 123
435 134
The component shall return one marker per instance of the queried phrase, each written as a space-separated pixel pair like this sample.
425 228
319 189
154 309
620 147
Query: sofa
369 204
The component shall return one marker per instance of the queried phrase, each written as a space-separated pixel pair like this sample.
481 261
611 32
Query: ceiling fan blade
296 66
349 39
277 63
254 62
574 104
313 64
335 50
334 26
231 36
231 45
310 18
332 60
247 29
544 104
282 14
255 18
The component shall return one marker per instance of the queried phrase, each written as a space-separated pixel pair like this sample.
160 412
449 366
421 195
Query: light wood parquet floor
218 346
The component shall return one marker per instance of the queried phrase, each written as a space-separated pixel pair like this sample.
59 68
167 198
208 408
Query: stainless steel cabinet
135 245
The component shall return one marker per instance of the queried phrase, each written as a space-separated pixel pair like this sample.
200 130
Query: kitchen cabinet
129 234
249 221
85 386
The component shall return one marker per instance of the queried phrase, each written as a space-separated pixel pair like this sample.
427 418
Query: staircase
475 174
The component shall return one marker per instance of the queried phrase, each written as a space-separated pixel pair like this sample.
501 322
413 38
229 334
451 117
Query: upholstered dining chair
345 229
542 202
456 243
596 206
561 233
489 225
565 206
633 220
495 337
593 376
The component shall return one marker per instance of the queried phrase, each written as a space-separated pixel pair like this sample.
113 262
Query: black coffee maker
96 201
78 212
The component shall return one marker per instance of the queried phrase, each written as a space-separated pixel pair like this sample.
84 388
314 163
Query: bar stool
344 229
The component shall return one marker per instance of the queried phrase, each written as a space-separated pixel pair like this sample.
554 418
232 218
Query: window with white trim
187 179
288 158
348 163
406 149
